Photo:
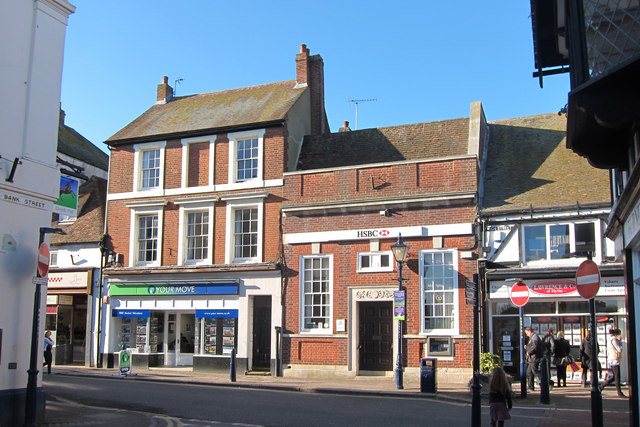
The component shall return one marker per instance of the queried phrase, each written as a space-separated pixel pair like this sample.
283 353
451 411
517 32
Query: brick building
195 190
352 195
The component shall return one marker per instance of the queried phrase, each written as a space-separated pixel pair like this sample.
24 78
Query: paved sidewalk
570 406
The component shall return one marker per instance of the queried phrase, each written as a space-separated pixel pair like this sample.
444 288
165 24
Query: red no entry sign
519 294
588 279
43 260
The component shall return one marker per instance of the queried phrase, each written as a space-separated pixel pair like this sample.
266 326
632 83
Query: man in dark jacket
534 355
587 361
548 350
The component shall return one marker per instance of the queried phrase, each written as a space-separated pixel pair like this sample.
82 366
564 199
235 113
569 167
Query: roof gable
387 144
529 166
208 111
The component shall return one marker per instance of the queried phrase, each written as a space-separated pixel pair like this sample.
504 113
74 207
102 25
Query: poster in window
140 348
126 328
141 329
212 339
506 356
141 339
154 348
575 340
228 331
211 330
228 322
227 341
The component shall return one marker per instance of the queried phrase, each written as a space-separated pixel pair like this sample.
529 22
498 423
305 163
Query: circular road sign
519 294
43 260
588 279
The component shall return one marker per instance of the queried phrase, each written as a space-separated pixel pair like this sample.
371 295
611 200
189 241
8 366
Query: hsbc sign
366 234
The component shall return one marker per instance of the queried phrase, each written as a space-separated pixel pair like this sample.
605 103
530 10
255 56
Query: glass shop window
219 336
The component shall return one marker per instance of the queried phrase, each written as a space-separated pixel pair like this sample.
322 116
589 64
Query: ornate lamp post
400 251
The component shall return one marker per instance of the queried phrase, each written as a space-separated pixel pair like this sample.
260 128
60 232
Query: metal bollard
544 381
232 366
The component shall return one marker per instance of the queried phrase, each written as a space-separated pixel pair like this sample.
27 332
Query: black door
376 336
261 333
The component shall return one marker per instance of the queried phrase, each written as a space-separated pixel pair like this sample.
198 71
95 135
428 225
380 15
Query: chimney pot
165 80
345 127
303 48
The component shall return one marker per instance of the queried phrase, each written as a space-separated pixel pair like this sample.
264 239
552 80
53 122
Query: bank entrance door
376 336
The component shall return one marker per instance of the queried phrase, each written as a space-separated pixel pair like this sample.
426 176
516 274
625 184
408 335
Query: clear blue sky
422 60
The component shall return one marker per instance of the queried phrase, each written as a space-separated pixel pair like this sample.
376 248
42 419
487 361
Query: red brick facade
425 193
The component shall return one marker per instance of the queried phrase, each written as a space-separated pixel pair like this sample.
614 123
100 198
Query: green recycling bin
428 382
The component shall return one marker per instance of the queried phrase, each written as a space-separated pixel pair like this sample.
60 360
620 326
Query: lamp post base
399 379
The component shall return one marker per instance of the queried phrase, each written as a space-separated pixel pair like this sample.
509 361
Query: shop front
554 304
194 323
69 303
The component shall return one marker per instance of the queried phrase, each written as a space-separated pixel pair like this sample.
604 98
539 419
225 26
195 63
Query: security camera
385 212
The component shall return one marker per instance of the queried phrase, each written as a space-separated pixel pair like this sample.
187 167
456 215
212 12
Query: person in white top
48 345
614 353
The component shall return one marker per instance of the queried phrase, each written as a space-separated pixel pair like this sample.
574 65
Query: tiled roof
205 111
529 166
89 224
387 144
77 146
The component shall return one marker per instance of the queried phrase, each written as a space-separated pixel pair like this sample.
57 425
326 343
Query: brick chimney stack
165 92
310 72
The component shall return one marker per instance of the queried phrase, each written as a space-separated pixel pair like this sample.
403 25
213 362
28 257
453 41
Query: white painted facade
31 67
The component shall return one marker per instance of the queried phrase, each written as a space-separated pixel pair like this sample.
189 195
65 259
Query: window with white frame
197 236
316 273
558 241
245 233
439 285
150 169
245 218
374 262
245 156
247 159
53 258
149 166
147 239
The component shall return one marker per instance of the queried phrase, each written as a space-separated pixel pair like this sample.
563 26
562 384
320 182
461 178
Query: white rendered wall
31 70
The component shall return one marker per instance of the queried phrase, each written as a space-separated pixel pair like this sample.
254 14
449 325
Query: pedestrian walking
534 355
587 362
500 402
48 345
614 352
562 358
548 350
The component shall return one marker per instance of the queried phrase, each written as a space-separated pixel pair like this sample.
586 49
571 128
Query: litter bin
428 382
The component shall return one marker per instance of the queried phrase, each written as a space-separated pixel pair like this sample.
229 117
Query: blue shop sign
130 313
217 314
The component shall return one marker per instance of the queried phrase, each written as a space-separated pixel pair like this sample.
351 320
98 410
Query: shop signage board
217 314
588 279
125 362
43 259
230 288
519 294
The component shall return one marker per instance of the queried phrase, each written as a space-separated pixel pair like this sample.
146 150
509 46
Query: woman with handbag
614 350
562 358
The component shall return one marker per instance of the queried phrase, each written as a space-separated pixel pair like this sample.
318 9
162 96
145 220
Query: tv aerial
357 101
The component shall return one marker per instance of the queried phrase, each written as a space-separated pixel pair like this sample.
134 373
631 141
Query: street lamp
32 379
400 251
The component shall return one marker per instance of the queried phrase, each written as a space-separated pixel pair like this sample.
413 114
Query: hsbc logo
372 233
